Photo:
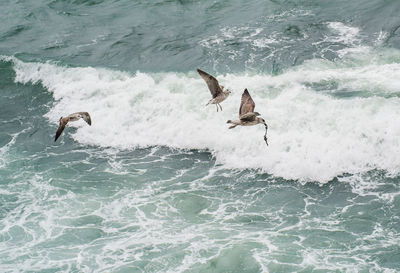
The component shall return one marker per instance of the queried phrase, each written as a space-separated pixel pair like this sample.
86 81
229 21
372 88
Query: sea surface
158 183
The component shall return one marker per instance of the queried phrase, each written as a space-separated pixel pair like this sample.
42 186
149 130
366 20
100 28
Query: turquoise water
158 183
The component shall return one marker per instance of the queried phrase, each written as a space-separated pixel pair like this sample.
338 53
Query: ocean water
158 183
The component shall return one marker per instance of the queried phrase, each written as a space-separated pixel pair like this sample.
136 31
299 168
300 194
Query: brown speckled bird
247 116
73 117
217 91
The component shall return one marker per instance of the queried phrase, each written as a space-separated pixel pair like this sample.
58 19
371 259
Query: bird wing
247 104
60 129
84 115
250 116
212 83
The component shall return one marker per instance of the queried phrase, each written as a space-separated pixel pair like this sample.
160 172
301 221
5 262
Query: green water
158 183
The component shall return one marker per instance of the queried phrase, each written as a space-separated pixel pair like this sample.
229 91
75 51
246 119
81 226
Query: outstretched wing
60 129
212 83
247 104
86 117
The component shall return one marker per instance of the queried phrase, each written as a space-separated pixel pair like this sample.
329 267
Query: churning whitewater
313 134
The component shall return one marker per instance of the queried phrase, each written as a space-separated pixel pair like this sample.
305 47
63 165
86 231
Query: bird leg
220 106
217 106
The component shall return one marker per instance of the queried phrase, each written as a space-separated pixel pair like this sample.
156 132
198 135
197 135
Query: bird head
227 91
261 120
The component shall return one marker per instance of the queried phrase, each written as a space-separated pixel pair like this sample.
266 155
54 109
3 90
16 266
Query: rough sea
158 183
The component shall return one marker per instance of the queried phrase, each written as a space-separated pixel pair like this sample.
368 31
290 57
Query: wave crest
313 135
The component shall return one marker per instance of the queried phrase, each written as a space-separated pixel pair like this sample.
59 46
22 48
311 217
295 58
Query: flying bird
217 91
73 117
247 116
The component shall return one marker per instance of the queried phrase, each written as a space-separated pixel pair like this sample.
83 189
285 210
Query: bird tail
233 126
209 102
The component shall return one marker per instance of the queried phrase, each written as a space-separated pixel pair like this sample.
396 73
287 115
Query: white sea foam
312 135
345 34
4 150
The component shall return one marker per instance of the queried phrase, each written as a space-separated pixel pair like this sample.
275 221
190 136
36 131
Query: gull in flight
73 117
247 116
217 91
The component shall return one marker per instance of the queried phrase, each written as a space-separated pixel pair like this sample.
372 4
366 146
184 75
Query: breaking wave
326 118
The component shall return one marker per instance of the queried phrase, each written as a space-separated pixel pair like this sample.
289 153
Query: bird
217 91
247 116
72 117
